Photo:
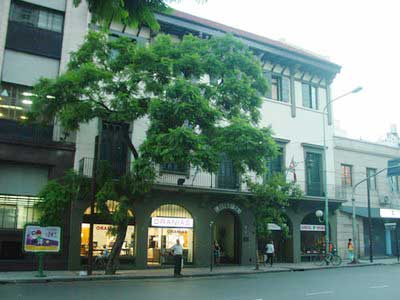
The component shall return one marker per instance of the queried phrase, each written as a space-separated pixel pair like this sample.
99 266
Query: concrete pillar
4 13
296 234
74 255
141 233
388 240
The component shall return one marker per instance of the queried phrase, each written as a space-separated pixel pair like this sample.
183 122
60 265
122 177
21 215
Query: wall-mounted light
11 107
50 97
28 94
23 117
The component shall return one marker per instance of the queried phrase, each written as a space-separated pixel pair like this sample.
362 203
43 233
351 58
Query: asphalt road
378 282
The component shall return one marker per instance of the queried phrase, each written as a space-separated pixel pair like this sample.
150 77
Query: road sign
393 167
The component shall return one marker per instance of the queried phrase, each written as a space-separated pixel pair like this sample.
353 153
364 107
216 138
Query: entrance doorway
227 234
169 223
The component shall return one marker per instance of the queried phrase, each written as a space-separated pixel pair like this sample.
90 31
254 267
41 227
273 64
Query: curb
142 277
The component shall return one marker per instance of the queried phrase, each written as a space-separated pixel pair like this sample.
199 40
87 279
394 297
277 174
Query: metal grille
171 210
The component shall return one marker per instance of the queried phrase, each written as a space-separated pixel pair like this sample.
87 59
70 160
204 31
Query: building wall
362 155
4 12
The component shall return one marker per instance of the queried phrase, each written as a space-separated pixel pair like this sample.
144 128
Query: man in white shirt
177 251
270 251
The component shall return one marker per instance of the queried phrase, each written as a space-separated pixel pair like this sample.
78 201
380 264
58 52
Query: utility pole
371 256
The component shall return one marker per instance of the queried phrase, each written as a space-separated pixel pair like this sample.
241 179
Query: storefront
169 223
312 233
103 235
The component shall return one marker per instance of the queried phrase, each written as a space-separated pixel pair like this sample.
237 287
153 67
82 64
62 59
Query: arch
112 206
312 235
283 244
171 210
169 222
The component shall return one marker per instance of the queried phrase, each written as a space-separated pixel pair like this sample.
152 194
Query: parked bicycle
329 258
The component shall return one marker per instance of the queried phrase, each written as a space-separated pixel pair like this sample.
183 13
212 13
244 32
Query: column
141 233
388 239
328 98
292 93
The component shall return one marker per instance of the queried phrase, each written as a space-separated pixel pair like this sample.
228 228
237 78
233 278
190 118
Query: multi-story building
31 38
356 160
204 204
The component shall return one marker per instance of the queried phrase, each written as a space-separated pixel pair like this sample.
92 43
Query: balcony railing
32 133
197 179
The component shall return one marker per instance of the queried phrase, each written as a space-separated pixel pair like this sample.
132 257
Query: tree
202 98
268 203
133 13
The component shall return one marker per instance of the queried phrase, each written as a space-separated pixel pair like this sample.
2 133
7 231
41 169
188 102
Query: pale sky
360 35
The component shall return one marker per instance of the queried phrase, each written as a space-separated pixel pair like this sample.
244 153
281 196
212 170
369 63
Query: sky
360 35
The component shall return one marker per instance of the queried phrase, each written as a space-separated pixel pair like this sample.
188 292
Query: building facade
31 39
356 160
186 203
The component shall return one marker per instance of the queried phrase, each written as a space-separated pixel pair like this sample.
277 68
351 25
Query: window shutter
285 89
268 77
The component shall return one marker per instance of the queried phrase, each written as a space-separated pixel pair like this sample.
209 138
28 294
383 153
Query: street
349 283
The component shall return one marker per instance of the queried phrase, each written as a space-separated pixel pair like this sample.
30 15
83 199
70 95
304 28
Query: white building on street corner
354 161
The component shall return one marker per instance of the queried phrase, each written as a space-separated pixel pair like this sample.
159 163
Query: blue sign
393 167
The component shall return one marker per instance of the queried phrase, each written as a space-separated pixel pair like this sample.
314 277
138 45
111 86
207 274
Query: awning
362 211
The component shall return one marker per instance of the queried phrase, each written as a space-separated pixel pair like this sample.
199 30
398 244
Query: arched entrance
103 238
169 222
283 241
227 234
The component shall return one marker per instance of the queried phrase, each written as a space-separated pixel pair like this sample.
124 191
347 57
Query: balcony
11 130
203 181
25 38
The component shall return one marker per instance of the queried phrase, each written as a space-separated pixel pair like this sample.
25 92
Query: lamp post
326 213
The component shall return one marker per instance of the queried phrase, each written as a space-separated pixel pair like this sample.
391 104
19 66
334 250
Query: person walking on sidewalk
177 251
350 250
270 251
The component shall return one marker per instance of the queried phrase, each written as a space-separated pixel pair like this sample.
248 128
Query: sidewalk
67 276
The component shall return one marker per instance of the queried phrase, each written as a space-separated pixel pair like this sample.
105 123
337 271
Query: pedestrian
217 252
270 251
350 250
177 252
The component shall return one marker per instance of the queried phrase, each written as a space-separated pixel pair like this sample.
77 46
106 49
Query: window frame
165 170
310 87
322 187
372 187
35 11
343 176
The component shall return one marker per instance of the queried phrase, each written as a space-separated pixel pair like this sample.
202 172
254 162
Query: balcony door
314 176
227 177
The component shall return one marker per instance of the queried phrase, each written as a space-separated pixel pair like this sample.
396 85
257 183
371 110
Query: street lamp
319 214
326 213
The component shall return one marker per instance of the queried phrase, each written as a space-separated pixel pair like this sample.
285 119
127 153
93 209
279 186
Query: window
14 101
346 175
279 87
372 180
276 165
395 183
174 168
314 177
17 211
309 93
36 17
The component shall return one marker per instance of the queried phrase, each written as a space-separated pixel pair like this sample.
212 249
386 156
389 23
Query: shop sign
171 222
309 227
104 227
42 239
222 206
389 213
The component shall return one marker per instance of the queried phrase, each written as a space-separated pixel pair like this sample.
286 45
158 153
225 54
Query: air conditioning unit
384 200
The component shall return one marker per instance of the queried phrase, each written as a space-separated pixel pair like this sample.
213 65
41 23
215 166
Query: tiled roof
249 36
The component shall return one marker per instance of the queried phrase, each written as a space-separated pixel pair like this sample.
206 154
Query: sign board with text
310 227
389 213
42 239
172 222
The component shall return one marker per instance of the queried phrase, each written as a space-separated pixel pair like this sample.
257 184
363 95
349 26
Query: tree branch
131 146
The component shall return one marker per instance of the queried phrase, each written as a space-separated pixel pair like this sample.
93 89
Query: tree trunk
257 267
116 249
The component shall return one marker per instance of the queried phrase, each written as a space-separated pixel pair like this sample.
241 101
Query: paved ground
374 282
59 276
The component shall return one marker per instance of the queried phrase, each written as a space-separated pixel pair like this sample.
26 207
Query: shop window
16 211
312 237
14 101
104 239
168 224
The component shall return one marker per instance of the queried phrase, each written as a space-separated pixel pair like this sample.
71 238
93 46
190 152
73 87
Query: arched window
171 210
